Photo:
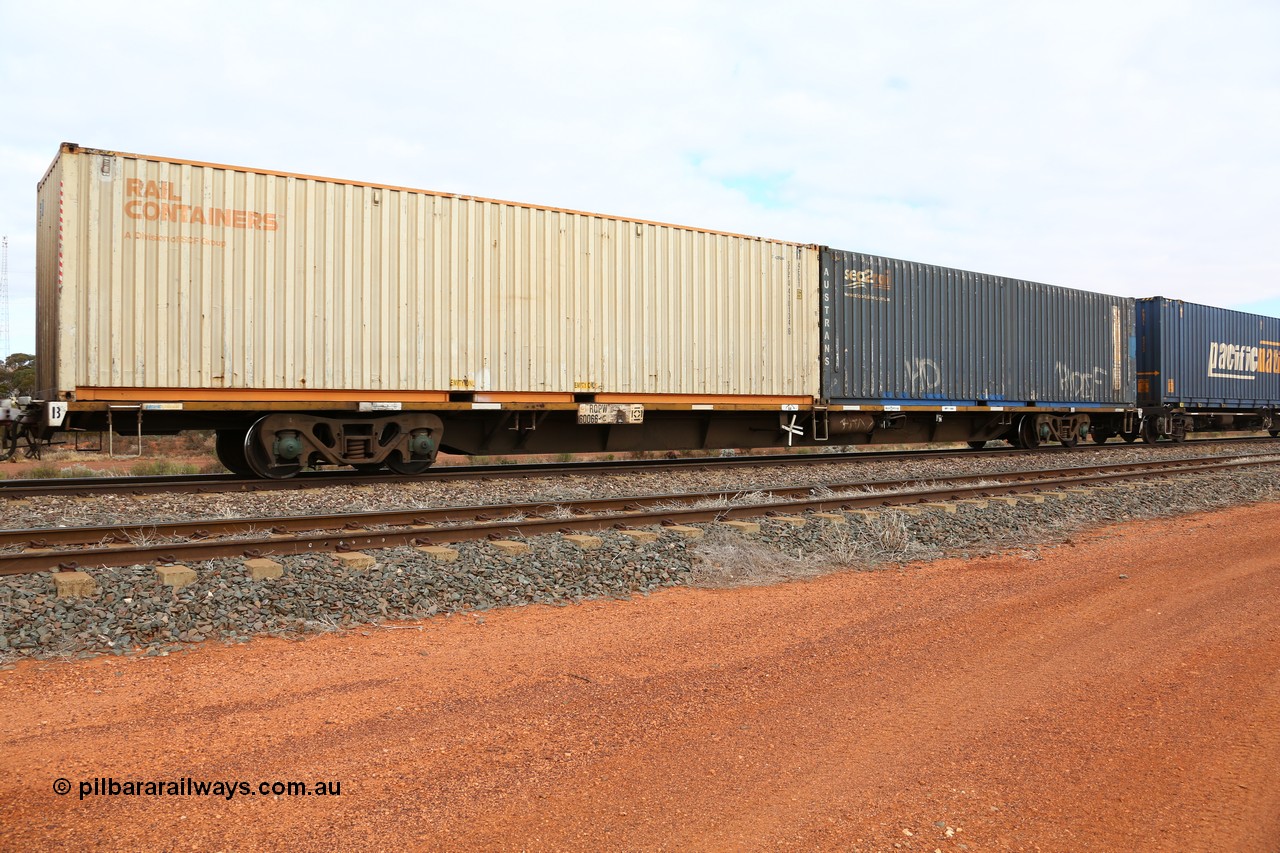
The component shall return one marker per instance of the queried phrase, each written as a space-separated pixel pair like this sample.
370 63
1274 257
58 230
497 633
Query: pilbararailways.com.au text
188 787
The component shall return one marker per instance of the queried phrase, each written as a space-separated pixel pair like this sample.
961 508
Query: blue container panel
895 331
1199 356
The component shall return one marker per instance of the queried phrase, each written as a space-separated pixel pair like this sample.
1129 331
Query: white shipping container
170 275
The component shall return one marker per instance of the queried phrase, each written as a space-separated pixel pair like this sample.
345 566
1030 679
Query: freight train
313 321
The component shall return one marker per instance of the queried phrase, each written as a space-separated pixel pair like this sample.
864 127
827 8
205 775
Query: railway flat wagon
314 320
918 352
1206 368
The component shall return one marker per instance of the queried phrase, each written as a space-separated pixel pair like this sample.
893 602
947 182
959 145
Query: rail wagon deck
314 319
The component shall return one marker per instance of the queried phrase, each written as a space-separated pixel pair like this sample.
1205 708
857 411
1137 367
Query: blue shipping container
895 331
1199 356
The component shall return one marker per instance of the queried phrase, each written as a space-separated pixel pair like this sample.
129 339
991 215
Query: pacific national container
1199 356
895 331
157 273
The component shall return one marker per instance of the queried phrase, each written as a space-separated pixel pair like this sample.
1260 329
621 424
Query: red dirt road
999 704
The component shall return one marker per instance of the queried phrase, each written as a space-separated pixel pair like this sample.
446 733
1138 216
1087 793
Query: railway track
172 542
226 483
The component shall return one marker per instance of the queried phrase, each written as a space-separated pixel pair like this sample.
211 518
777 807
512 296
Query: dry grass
728 559
724 559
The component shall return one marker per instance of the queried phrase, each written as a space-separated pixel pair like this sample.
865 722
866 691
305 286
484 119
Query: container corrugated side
188 275
895 331
1202 356
49 320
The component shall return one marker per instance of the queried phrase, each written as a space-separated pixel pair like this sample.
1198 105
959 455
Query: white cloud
1127 147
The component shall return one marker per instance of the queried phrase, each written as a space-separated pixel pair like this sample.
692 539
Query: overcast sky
1126 147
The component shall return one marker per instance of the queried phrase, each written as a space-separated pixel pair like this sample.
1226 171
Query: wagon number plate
610 413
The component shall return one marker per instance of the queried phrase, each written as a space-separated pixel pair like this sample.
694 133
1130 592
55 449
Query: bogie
277 445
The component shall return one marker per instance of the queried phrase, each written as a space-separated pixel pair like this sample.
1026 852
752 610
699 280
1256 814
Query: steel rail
120 534
222 483
466 523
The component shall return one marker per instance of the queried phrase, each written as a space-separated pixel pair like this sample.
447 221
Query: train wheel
413 466
1101 436
262 463
1129 437
229 447
1028 437
977 445
1274 432
1150 432
1070 442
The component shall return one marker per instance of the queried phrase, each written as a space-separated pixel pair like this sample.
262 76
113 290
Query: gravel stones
131 612
136 614
142 509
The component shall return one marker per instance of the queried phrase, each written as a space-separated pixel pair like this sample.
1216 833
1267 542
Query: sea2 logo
868 284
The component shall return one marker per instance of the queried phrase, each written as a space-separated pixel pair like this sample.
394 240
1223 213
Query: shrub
161 468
